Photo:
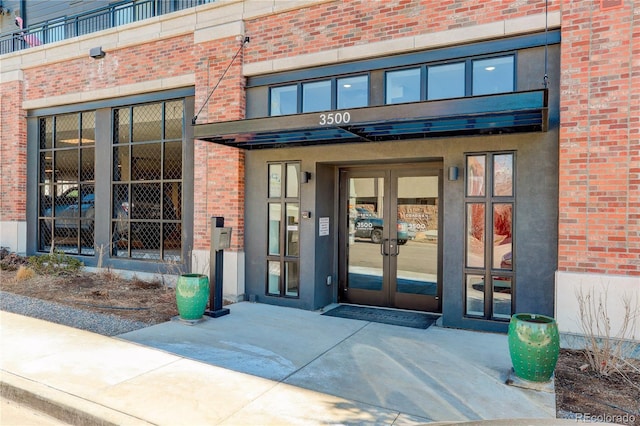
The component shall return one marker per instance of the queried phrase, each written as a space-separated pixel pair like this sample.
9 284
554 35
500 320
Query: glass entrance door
390 246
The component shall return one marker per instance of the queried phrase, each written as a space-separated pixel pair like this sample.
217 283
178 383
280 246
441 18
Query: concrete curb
61 405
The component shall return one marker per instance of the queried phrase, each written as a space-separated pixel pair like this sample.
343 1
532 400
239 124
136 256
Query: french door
390 251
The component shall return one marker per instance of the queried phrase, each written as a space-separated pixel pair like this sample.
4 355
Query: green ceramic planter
534 346
192 294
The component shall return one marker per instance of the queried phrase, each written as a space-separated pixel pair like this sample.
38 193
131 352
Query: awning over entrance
478 115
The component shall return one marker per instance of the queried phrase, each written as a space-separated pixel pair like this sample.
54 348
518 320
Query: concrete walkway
265 365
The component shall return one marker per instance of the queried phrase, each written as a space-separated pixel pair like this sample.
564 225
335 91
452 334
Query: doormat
384 316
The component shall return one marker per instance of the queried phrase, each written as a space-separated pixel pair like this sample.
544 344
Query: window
284 100
283 208
433 81
402 86
146 219
489 201
353 92
66 208
493 75
446 81
316 96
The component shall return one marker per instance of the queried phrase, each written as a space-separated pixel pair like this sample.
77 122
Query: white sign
323 226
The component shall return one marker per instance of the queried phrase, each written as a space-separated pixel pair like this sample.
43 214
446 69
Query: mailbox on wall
221 238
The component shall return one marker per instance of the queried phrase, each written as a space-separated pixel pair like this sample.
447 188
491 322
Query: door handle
382 247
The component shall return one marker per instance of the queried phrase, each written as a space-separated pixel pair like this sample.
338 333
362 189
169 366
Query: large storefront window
283 276
66 183
147 181
489 235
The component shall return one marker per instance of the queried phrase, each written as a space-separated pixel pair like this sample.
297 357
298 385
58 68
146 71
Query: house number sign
330 118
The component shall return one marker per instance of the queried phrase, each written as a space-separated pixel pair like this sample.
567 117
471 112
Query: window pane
88 128
494 75
172 160
46 132
284 100
476 169
275 179
274 228
502 228
503 175
403 86
291 279
173 120
316 96
502 297
475 235
121 125
445 81
147 123
273 279
87 167
121 165
145 161
293 229
66 165
353 92
67 131
475 295
293 173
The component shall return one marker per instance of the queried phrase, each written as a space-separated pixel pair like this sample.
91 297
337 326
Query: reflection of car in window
69 210
368 225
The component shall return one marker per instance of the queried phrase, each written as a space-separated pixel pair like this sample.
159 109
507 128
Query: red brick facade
599 139
13 153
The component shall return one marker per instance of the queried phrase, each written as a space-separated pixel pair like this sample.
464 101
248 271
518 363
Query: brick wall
13 153
137 64
219 170
346 23
599 138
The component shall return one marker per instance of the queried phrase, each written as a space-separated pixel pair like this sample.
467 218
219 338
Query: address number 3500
334 118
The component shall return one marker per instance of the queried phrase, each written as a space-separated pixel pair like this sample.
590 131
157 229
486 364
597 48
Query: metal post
216 269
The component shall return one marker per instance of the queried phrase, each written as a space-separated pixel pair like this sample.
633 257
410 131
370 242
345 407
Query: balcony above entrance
480 115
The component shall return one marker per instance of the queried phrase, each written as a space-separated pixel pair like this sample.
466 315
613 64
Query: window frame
334 92
424 83
284 200
489 200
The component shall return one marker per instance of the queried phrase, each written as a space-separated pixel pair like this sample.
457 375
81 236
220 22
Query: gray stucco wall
535 219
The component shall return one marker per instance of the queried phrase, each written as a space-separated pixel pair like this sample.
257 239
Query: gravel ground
108 325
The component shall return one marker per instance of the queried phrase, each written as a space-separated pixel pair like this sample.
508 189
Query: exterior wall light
305 177
97 52
453 173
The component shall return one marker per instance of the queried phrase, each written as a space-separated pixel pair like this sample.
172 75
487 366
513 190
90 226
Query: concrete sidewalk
265 365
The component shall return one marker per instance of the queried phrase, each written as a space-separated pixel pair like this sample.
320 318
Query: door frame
374 297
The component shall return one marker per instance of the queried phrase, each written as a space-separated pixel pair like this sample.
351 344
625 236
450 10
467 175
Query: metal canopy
479 115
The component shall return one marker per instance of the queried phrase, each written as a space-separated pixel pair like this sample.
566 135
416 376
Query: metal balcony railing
114 15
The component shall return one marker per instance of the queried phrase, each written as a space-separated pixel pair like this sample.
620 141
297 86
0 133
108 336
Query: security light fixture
97 52
453 173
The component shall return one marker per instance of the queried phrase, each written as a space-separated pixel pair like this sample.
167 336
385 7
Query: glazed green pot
192 294
534 346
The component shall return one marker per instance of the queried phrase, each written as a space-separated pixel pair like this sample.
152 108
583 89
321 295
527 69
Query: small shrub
25 273
55 263
607 352
11 261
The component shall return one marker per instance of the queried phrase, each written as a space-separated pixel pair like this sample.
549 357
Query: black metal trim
500 113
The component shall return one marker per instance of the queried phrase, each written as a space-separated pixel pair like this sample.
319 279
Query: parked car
74 208
368 225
